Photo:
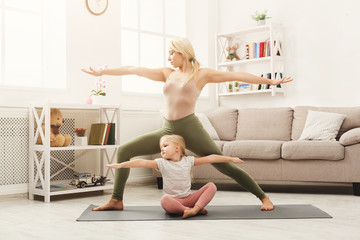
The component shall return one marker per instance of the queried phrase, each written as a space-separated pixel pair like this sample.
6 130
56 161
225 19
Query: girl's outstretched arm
213 76
137 163
215 159
156 74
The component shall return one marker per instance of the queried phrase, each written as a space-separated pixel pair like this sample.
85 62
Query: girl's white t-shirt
176 176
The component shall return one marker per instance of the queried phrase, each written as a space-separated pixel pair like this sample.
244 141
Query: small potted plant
260 17
237 86
80 138
230 88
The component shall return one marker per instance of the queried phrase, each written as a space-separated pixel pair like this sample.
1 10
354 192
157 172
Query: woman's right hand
92 71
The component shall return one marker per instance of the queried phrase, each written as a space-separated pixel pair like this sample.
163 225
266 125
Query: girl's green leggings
197 140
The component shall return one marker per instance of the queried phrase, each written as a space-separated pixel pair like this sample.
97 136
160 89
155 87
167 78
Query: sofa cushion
264 124
322 125
253 149
300 150
208 126
224 120
350 137
352 119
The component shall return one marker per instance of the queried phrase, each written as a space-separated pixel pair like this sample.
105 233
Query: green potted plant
260 17
230 88
237 86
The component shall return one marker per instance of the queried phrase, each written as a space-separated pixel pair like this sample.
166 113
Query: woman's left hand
283 80
113 165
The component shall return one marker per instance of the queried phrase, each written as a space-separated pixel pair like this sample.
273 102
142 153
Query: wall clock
97 7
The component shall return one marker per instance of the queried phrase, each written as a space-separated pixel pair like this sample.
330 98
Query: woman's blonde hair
184 46
177 140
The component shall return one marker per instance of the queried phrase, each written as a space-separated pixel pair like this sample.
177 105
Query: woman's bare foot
192 212
113 204
267 205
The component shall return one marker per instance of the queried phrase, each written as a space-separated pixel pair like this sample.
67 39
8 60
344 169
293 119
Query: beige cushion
224 121
264 124
350 137
352 119
322 126
208 126
325 150
253 149
219 144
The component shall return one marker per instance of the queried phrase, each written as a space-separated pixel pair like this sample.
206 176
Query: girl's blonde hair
177 140
184 46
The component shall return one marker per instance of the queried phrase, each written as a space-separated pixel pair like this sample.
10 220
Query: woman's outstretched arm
214 158
156 74
213 76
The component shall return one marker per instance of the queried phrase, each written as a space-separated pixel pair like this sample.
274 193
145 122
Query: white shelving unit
40 155
271 64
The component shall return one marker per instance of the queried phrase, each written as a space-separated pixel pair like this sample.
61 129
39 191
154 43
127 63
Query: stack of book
258 50
267 86
102 134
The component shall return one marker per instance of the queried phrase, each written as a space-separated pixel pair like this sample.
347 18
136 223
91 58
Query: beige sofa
267 140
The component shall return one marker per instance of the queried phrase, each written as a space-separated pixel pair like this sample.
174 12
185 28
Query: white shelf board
68 190
82 190
256 29
247 61
277 90
73 147
74 105
245 31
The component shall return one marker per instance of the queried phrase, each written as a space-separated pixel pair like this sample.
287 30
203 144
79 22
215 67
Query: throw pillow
322 126
350 137
208 126
224 121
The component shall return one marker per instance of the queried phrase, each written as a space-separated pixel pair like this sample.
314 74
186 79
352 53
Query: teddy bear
56 139
232 56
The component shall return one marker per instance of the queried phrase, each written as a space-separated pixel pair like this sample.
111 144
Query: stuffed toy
56 139
232 56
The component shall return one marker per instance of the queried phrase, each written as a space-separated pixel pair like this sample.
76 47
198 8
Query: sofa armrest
350 137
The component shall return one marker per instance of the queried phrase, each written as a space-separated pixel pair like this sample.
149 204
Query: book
247 51
111 138
107 133
104 135
261 51
97 133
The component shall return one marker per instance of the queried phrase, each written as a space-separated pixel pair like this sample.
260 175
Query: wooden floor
25 219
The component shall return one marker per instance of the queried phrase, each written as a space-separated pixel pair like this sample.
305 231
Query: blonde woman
182 86
175 168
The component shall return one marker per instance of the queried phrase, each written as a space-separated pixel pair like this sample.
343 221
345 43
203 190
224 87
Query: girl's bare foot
191 212
113 204
203 212
267 205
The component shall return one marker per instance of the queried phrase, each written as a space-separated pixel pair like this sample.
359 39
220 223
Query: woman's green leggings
197 140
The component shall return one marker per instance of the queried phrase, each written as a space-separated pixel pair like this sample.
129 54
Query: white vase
261 22
80 141
98 99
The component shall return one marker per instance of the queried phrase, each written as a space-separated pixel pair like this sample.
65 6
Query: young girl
175 169
182 86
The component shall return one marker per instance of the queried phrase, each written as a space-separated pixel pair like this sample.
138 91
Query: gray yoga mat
216 212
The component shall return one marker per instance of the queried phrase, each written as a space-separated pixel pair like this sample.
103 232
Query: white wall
95 41
321 49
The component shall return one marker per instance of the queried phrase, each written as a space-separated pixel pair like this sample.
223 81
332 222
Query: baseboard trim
14 189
